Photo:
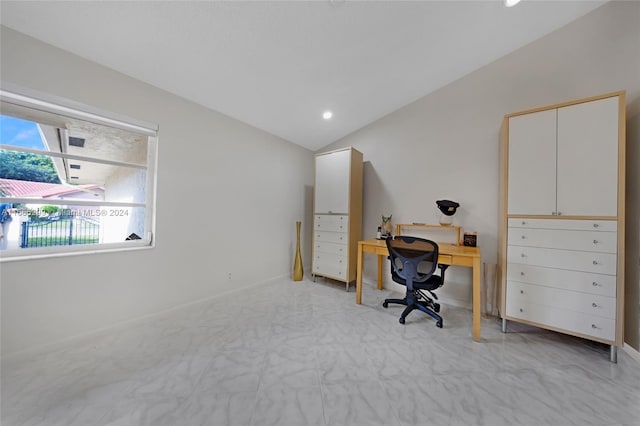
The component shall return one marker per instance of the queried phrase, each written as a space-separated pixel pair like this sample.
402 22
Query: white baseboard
631 351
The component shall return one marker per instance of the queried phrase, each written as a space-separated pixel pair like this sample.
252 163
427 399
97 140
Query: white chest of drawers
330 245
562 274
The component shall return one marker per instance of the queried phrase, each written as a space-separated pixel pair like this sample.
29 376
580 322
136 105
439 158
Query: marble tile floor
302 353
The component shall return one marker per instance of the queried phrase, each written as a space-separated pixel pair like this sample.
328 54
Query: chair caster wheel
385 305
436 307
401 320
439 324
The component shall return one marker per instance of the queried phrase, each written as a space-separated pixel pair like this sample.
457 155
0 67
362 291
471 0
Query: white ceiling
279 65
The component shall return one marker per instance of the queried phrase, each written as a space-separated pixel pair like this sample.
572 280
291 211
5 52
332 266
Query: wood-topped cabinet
337 215
562 218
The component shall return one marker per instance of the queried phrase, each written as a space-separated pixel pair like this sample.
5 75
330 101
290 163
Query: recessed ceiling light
511 3
327 115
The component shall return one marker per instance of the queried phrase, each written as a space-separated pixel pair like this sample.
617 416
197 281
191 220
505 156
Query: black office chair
413 263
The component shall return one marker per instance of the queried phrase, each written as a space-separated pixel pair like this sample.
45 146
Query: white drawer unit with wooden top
337 219
330 245
561 249
561 276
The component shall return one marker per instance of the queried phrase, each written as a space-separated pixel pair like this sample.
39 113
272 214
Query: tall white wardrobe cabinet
562 218
337 219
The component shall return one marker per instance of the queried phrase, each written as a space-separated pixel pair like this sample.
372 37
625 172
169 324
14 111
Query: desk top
444 248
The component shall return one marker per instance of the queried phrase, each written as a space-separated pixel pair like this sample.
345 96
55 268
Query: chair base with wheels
420 301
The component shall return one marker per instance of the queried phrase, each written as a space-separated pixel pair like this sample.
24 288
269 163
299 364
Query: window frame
23 97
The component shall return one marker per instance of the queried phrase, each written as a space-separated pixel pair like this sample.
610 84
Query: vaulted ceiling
279 65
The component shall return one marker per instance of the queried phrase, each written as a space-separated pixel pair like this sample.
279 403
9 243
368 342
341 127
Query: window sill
11 256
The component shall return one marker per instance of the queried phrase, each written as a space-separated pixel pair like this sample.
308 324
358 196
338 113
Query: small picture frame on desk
470 239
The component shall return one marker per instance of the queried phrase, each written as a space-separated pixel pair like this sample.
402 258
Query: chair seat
434 282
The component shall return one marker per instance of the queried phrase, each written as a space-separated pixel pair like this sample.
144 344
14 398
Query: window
72 179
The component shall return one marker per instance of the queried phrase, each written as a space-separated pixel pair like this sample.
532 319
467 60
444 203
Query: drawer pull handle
523 255
595 284
595 262
521 291
524 223
595 241
521 310
594 326
522 274
524 238
595 225
594 304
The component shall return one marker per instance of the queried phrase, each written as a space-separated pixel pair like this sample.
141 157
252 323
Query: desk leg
359 276
380 272
476 299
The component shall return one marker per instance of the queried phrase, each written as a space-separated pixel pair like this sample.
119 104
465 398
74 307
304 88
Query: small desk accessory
387 226
448 209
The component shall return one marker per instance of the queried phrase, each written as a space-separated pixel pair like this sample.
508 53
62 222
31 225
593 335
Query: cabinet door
588 158
332 182
532 163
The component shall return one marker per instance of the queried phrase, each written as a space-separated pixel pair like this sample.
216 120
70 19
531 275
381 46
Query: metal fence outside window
59 231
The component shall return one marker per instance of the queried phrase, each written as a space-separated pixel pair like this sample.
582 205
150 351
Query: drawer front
576 322
331 265
331 248
603 285
330 222
603 242
331 237
599 263
576 225
571 301
330 259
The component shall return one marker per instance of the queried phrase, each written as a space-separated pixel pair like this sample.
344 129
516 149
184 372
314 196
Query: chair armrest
442 269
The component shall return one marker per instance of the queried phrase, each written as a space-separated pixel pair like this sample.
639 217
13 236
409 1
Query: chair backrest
413 259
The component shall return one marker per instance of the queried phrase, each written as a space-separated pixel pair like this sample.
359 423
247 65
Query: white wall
250 189
446 144
632 296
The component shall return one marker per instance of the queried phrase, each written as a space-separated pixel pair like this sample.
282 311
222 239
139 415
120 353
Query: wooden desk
449 254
